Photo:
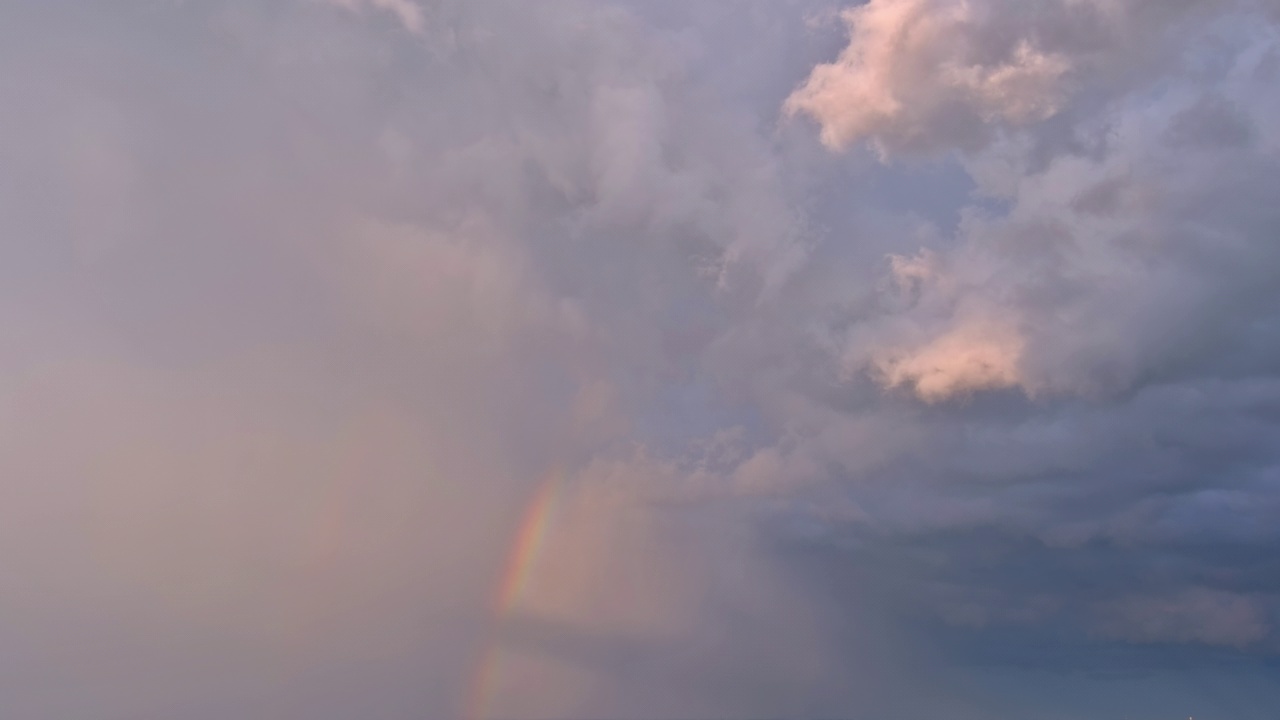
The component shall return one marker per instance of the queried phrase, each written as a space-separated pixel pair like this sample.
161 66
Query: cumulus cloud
961 361
1118 279
1072 289
917 74
925 76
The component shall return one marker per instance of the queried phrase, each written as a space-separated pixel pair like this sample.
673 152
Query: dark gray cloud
1078 460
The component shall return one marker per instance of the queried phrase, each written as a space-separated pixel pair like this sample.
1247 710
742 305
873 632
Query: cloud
1194 615
927 76
290 406
407 12
966 359
300 319
1073 288
1107 265
917 75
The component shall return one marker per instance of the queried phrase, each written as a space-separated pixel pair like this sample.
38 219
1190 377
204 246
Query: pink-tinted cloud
407 12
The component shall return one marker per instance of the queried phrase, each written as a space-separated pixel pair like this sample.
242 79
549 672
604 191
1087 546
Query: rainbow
522 560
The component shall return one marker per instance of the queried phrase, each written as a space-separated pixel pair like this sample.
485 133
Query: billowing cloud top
401 359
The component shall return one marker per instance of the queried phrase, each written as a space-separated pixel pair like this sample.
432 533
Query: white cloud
917 75
928 76
966 359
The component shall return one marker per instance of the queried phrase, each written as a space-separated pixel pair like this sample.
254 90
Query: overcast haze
391 359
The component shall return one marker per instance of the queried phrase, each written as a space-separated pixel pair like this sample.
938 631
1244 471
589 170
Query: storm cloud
397 359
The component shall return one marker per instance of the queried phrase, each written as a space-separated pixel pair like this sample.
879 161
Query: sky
640 359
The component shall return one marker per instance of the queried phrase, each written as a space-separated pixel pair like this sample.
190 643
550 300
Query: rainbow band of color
521 562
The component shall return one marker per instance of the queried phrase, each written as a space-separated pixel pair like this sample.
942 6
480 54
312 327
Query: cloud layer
902 363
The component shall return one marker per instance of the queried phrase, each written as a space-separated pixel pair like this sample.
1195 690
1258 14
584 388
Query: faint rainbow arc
522 560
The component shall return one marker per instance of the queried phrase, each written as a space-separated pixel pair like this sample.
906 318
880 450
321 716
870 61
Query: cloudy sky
640 359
